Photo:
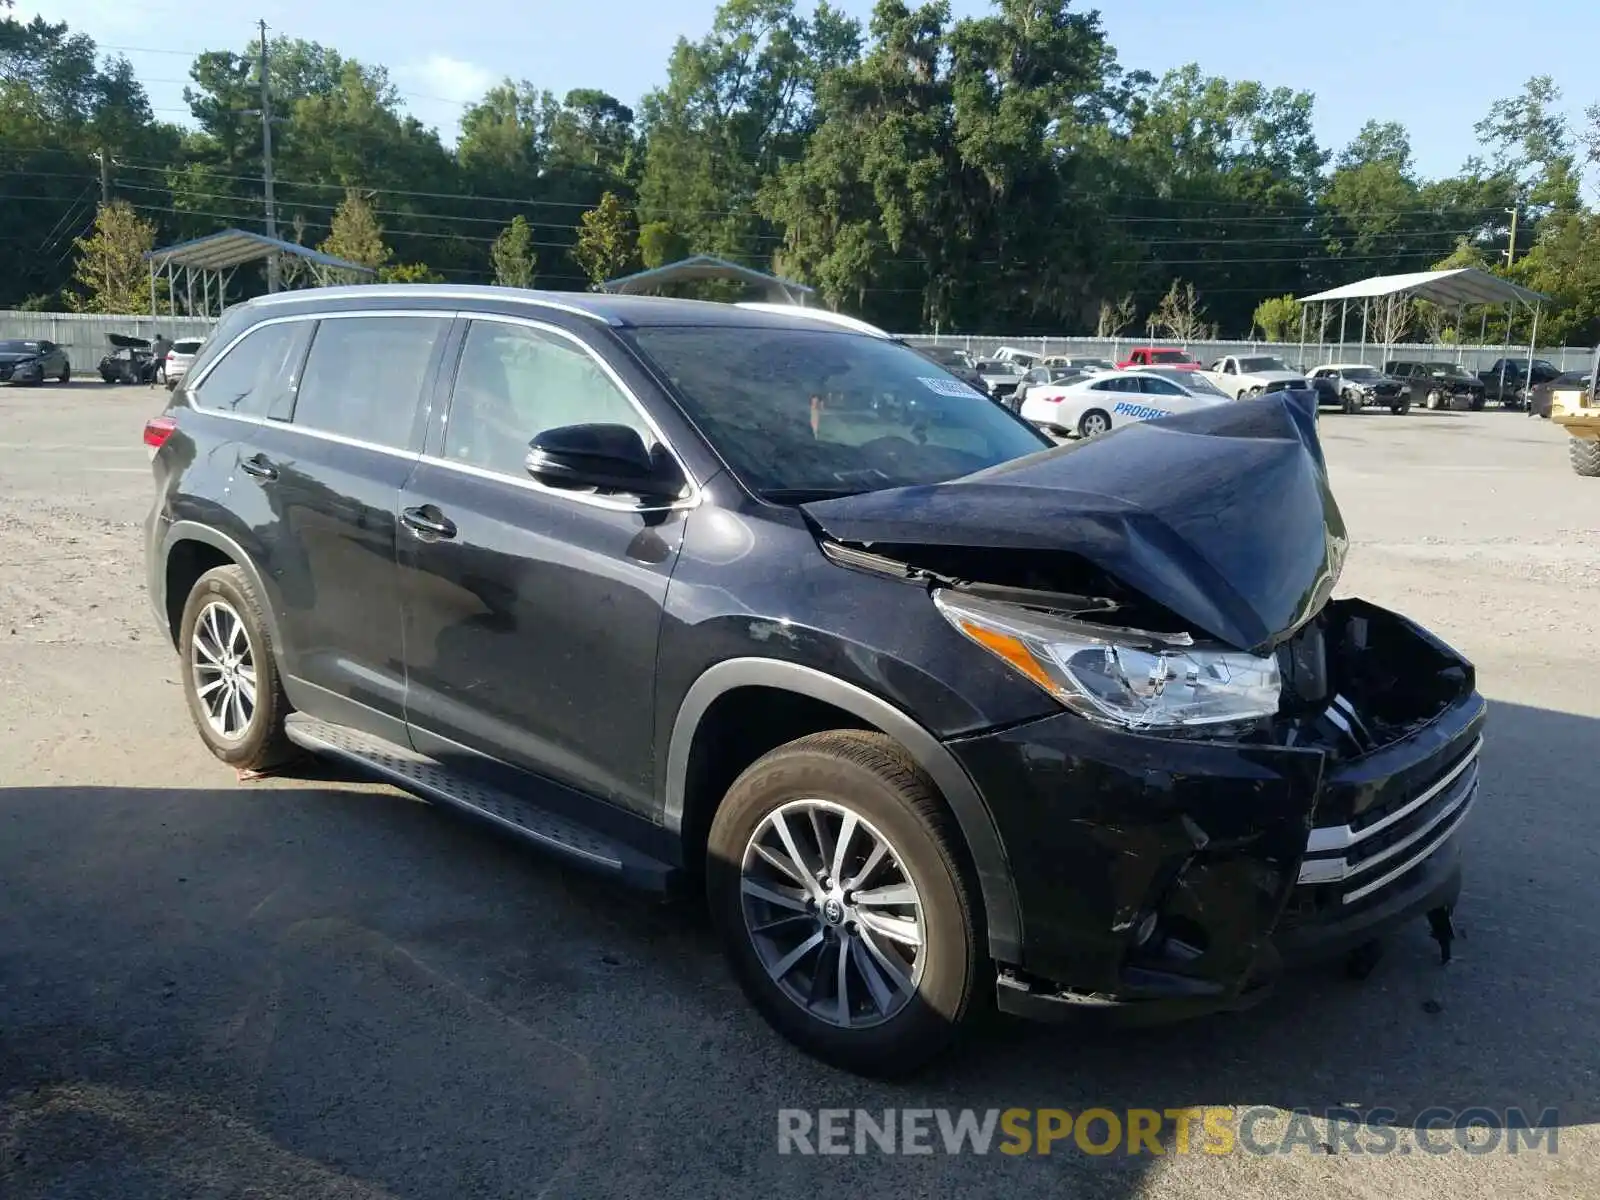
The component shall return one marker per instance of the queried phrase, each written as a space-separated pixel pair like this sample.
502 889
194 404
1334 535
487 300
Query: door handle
260 466
428 521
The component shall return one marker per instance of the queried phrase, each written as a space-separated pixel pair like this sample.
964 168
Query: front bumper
1166 877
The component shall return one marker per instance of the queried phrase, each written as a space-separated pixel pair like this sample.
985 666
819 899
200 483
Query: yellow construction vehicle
1578 410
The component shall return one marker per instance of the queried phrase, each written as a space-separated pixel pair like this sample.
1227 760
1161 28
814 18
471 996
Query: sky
1435 65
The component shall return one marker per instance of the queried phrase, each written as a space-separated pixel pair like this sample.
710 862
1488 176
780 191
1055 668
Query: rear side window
187 347
365 376
256 377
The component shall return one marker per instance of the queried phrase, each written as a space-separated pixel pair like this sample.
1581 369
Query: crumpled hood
1223 516
14 357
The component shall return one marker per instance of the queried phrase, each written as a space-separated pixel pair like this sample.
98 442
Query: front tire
1585 457
834 882
1351 403
66 373
1434 399
230 674
1400 409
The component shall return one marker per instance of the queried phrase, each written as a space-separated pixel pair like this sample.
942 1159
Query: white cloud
446 78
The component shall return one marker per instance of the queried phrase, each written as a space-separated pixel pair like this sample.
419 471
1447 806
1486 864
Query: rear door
329 466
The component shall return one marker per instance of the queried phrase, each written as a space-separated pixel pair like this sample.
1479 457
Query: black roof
616 311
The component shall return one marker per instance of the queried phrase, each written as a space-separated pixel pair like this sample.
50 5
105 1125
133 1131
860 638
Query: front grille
1383 843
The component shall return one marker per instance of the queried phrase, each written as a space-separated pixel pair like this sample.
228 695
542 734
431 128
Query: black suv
740 602
1438 384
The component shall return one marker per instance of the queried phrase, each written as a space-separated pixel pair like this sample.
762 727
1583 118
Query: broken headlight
1147 681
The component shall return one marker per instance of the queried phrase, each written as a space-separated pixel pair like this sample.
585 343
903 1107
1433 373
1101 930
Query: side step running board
434 781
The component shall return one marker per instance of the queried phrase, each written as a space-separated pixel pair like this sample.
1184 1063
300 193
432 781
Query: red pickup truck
1159 356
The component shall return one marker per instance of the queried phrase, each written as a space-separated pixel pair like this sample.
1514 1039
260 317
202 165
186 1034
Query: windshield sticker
949 387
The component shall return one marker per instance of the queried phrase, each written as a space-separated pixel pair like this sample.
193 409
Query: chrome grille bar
1333 870
1342 837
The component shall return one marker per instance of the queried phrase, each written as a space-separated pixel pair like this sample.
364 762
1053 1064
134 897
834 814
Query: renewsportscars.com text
1215 1130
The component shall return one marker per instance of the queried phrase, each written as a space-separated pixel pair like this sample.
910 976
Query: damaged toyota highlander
931 712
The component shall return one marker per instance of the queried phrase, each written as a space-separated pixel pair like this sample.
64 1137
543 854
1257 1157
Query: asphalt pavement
312 986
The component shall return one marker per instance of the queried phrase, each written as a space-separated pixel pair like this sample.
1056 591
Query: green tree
512 254
409 273
111 267
355 235
660 243
1278 318
608 242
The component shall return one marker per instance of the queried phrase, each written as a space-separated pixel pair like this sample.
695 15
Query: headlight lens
1137 680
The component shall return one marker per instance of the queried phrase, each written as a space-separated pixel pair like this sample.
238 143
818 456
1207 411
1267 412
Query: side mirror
612 458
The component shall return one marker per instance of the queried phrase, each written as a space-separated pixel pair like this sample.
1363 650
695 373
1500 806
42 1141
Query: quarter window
515 383
365 376
257 377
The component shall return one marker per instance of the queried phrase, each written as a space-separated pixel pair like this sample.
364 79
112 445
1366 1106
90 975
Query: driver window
514 383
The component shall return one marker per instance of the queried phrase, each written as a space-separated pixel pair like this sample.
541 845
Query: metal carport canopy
233 247
1464 285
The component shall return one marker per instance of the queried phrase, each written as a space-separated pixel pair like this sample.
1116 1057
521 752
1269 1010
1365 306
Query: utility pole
105 175
266 159
1511 250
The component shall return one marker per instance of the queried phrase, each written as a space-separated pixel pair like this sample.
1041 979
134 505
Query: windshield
19 347
1363 373
1169 356
1264 363
801 414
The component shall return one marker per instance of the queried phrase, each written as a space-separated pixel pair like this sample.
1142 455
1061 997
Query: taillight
157 430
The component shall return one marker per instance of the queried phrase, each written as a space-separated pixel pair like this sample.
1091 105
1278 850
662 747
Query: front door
532 614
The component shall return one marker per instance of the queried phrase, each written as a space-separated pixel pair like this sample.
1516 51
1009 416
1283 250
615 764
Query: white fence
1474 358
84 334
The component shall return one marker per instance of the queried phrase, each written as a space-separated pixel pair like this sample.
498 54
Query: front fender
972 815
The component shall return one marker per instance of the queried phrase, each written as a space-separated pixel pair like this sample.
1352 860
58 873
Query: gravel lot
314 987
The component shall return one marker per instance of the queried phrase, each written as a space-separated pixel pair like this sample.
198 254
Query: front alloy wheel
834 917
834 880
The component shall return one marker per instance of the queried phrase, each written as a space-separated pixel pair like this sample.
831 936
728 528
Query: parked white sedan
1092 406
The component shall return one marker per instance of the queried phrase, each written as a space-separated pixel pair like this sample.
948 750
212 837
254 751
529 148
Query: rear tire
1585 457
227 652
1093 423
904 1000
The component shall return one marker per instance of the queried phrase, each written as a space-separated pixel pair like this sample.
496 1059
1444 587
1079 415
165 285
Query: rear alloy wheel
1585 457
834 884
1093 423
230 678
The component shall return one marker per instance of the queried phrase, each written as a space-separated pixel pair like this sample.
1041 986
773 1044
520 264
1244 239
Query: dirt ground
315 987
